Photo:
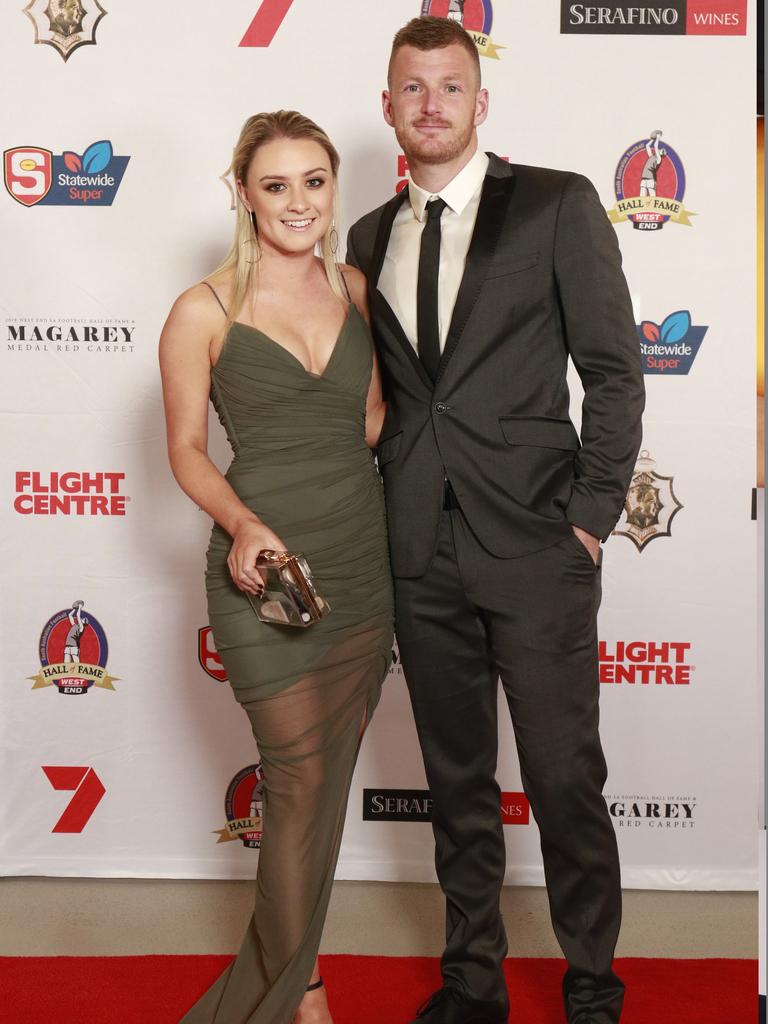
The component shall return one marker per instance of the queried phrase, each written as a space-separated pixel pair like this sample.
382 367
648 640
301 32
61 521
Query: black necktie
427 323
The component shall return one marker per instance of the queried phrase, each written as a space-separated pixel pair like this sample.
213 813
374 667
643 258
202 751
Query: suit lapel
381 308
491 214
388 214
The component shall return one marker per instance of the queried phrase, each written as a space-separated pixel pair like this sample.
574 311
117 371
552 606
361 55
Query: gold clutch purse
289 597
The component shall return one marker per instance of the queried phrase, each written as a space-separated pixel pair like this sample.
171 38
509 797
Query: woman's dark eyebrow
281 177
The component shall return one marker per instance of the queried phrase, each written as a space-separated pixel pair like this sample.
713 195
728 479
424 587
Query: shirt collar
459 190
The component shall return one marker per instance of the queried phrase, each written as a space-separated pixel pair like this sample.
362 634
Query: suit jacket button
440 408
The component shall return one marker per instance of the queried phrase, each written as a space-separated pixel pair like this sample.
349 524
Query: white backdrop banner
123 750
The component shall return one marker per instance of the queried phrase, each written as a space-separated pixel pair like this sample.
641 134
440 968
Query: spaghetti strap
216 297
346 287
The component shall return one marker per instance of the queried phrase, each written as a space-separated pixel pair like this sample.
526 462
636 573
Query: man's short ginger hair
430 33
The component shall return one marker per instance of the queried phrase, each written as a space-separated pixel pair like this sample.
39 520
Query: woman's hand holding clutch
249 539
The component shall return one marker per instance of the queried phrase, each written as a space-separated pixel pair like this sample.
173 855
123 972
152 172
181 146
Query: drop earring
254 240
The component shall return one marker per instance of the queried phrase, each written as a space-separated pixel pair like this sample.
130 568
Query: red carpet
363 990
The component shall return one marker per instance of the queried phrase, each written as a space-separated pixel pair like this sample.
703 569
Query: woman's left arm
375 406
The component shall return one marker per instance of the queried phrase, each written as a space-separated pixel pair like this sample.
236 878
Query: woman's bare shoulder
356 282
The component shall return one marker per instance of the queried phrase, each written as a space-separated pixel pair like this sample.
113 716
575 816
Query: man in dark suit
484 277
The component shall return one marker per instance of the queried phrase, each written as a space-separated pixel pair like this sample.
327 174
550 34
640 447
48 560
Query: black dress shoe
450 1006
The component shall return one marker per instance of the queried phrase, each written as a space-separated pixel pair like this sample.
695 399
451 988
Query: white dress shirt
400 271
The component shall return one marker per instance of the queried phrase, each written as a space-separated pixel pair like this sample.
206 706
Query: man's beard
427 152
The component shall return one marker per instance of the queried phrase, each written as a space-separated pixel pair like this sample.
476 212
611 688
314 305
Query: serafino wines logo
88 791
69 494
65 25
649 183
416 805
671 346
673 18
659 813
266 21
243 806
73 653
208 656
646 662
650 505
36 177
474 16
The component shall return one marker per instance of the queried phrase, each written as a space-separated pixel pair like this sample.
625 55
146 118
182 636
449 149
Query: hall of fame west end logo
73 653
243 806
474 16
66 25
649 184
650 505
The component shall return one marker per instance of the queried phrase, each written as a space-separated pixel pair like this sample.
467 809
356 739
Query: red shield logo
27 173
208 656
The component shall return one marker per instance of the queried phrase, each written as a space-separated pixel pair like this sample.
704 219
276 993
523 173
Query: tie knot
435 208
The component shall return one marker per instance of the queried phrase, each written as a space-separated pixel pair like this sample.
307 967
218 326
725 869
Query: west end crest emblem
474 16
65 24
650 505
73 653
243 806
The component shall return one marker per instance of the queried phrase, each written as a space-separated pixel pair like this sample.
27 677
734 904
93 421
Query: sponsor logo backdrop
136 760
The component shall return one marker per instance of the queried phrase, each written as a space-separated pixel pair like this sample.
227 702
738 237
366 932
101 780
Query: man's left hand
590 542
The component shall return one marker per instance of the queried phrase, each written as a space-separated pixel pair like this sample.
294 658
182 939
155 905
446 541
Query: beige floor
98 917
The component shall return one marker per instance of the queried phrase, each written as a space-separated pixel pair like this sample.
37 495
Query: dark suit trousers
531 621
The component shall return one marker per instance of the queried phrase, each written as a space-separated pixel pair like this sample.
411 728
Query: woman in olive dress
278 338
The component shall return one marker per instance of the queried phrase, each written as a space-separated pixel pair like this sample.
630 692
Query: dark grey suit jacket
542 282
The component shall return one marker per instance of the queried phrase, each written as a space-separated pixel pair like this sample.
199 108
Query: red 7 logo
266 22
88 792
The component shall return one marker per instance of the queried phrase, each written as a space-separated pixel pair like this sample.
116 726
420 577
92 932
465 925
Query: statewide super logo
650 505
35 176
243 807
474 16
73 653
65 24
650 184
671 346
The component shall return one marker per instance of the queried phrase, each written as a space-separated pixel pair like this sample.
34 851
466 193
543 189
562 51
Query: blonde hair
242 257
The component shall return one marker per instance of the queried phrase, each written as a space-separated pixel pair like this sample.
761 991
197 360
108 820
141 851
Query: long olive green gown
302 464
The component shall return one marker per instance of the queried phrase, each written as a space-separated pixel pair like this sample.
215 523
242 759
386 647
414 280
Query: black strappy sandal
317 984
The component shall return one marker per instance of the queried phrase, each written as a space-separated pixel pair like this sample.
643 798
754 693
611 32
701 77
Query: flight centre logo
669 348
673 18
659 813
649 183
208 656
66 25
73 653
243 806
36 177
650 505
69 494
646 662
474 16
